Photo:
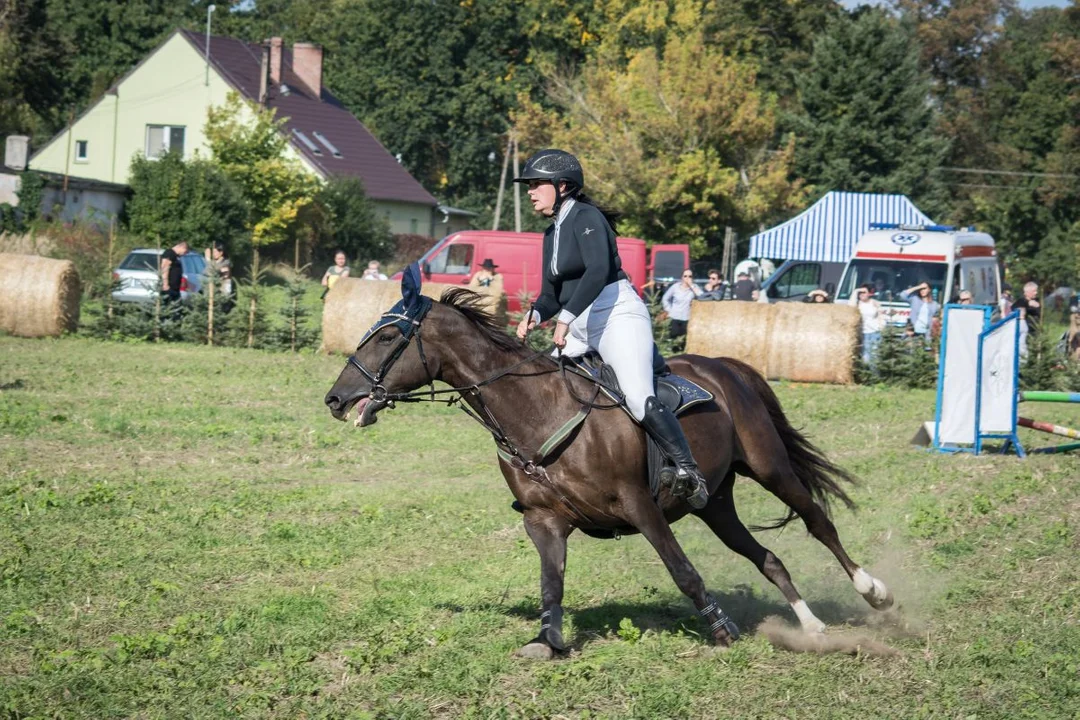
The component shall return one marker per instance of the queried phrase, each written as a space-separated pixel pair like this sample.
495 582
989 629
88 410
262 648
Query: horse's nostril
333 402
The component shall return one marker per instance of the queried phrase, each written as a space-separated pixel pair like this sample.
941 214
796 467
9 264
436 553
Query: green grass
185 532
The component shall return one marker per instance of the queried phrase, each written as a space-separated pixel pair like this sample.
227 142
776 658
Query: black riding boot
687 481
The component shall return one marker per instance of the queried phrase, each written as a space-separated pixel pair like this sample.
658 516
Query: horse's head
389 359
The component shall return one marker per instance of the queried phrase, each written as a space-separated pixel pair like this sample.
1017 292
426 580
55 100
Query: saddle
675 392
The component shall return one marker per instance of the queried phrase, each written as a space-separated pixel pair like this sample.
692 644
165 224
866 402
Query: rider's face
542 196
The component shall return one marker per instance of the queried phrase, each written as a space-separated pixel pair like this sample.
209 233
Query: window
140 261
453 260
796 282
413 225
161 139
329 145
668 265
307 142
81 147
891 277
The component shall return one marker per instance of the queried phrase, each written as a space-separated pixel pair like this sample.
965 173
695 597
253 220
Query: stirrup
692 487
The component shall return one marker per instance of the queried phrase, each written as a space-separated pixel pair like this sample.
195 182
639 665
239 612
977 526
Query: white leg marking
873 590
807 619
864 581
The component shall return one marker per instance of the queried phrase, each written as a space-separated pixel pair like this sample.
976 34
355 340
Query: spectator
965 297
1005 304
1030 314
817 296
923 308
873 321
715 287
218 259
335 272
486 279
172 271
744 288
676 302
373 272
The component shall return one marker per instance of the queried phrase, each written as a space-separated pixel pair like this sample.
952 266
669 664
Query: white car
137 278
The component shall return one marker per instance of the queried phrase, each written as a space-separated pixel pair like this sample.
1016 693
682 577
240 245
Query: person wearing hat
486 280
585 289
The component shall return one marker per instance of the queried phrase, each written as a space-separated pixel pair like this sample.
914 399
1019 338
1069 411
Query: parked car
137 278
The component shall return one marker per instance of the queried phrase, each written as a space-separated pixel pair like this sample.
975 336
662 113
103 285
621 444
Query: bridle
407 319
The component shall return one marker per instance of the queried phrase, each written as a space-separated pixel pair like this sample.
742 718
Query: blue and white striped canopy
828 229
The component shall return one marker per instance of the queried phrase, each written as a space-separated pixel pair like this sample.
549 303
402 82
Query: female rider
597 308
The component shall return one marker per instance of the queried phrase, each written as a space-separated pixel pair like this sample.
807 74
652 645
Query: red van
518 256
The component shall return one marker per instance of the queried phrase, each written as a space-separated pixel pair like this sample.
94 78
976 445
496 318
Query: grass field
185 532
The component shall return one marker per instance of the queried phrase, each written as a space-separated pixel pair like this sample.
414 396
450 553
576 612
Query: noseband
407 320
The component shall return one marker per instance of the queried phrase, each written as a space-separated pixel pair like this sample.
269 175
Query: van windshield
891 277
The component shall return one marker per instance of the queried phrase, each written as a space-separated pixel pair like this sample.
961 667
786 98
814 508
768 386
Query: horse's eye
386 338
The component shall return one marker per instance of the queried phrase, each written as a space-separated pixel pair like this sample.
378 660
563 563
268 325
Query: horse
596 480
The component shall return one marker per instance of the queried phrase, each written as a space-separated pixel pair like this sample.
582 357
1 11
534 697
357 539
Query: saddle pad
675 392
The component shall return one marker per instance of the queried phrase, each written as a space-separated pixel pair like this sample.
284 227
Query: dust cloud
787 637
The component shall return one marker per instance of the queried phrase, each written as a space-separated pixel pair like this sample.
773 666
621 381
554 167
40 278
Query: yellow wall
406 217
169 88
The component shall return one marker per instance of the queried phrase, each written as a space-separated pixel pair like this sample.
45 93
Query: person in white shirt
873 322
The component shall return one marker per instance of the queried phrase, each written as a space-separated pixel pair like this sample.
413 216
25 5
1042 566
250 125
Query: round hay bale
730 329
783 341
38 296
814 342
353 306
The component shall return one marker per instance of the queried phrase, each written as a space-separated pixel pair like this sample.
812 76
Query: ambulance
892 258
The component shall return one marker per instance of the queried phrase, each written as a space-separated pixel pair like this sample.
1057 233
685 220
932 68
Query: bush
901 361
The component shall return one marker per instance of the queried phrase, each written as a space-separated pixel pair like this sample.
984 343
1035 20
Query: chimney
307 66
16 151
275 61
264 74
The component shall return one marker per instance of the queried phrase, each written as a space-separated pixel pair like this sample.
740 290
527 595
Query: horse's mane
474 307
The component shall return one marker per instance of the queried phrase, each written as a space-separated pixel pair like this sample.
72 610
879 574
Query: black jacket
588 261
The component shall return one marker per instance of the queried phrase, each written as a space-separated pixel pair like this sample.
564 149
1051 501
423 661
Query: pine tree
867 123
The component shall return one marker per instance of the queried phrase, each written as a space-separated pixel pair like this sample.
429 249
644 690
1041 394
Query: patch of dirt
786 637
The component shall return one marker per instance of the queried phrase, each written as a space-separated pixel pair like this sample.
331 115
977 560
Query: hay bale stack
784 341
354 305
38 296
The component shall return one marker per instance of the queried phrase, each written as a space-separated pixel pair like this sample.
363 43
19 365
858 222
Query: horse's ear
410 285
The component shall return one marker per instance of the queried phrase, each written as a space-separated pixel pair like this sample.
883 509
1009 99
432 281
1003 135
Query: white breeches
617 325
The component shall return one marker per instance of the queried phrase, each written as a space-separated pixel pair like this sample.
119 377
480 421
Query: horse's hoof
535 651
726 634
814 627
881 598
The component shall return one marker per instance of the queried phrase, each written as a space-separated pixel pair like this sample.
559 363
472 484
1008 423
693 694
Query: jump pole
1050 428
1044 396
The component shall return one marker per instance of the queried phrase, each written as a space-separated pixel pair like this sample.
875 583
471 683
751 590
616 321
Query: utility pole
209 10
517 189
502 184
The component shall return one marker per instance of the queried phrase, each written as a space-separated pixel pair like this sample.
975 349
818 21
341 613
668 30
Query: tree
174 200
678 140
867 122
353 225
247 143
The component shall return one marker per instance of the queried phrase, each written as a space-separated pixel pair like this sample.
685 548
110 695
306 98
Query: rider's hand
560 335
526 324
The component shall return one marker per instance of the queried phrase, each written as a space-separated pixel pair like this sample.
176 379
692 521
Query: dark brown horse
596 480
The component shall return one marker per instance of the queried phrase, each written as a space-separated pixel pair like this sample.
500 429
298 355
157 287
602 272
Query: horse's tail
816 473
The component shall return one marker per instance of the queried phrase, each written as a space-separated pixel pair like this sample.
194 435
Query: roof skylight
329 145
307 142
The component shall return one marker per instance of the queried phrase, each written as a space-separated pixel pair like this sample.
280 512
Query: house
161 105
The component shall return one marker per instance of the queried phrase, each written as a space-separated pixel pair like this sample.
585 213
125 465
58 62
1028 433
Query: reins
532 466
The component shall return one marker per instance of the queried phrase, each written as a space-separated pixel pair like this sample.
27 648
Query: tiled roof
361 155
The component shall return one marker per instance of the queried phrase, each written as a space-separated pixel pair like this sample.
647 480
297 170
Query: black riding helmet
554 166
